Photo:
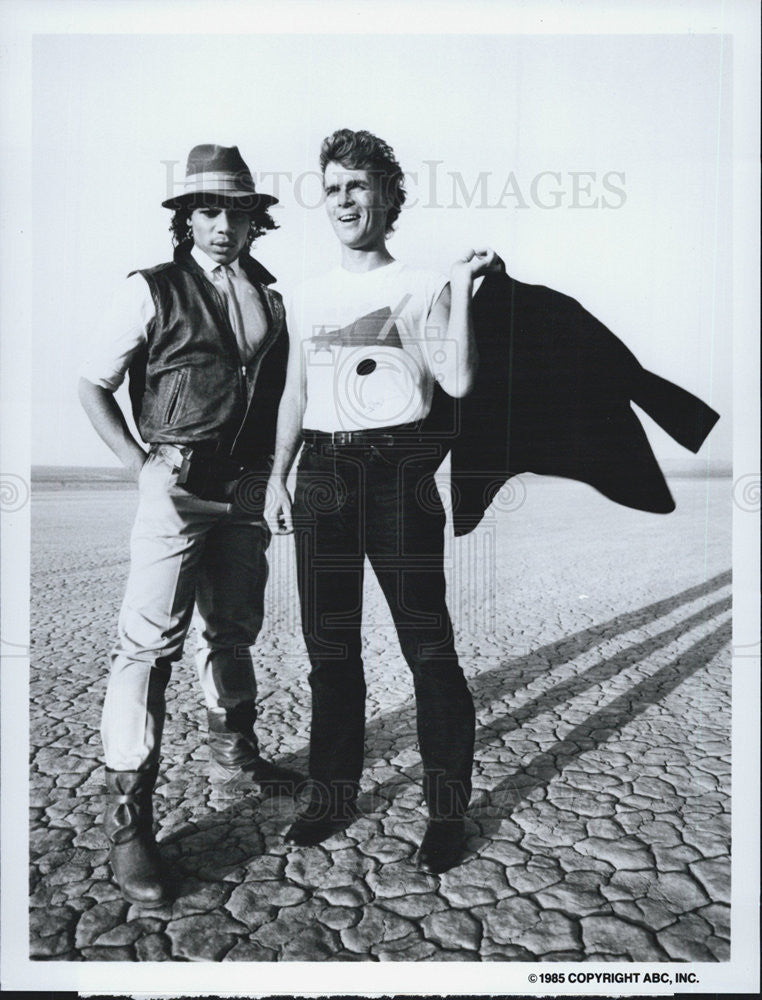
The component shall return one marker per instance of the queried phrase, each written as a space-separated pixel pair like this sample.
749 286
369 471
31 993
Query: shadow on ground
206 845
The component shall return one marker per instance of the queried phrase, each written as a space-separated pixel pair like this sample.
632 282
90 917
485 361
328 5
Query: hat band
222 182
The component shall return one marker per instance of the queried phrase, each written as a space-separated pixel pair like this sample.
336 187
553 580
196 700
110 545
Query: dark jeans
379 501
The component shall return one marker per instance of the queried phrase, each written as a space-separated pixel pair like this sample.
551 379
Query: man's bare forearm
108 420
457 372
455 356
288 436
460 332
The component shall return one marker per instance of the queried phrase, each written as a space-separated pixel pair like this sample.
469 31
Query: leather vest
188 384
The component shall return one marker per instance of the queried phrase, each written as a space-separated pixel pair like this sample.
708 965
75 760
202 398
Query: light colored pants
182 550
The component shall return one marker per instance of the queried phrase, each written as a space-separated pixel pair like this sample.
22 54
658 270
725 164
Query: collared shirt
125 326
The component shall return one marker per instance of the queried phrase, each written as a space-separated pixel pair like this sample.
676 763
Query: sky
598 165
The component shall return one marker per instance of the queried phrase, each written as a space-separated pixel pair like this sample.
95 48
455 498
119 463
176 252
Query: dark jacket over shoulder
552 396
188 385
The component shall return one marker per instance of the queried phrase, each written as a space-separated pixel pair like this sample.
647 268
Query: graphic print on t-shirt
374 379
377 327
364 346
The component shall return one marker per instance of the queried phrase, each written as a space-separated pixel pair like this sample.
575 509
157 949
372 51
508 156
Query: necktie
223 277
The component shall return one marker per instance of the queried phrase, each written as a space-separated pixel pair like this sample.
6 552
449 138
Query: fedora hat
219 173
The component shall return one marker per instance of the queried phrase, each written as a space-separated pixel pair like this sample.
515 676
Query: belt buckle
183 469
180 456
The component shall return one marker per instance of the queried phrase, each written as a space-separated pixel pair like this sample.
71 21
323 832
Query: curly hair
260 221
364 151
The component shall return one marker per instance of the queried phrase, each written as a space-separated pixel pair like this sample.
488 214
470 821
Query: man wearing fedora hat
203 338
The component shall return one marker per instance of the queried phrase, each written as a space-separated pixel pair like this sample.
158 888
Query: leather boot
128 823
236 766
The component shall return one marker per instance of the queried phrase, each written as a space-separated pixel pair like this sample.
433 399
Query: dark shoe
236 765
128 822
442 845
305 832
323 817
230 783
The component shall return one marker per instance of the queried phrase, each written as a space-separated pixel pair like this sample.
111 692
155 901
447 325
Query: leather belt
178 452
403 434
202 470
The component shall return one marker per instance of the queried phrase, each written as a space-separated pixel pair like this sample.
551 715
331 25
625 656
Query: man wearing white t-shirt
368 342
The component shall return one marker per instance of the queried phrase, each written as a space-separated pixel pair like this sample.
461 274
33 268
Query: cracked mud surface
596 641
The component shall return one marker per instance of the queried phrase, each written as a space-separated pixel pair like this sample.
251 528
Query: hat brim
244 201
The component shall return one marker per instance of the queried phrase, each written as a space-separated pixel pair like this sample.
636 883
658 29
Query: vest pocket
175 394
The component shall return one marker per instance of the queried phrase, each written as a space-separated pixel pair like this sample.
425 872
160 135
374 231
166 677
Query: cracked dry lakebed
596 641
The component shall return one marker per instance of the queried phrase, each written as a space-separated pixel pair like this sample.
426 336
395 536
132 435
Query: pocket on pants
157 471
144 467
305 455
408 455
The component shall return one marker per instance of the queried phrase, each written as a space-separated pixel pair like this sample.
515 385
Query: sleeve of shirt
437 283
292 306
123 330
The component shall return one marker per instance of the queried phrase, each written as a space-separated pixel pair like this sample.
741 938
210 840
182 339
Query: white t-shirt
367 346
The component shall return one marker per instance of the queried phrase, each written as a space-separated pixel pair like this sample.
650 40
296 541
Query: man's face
219 232
356 206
